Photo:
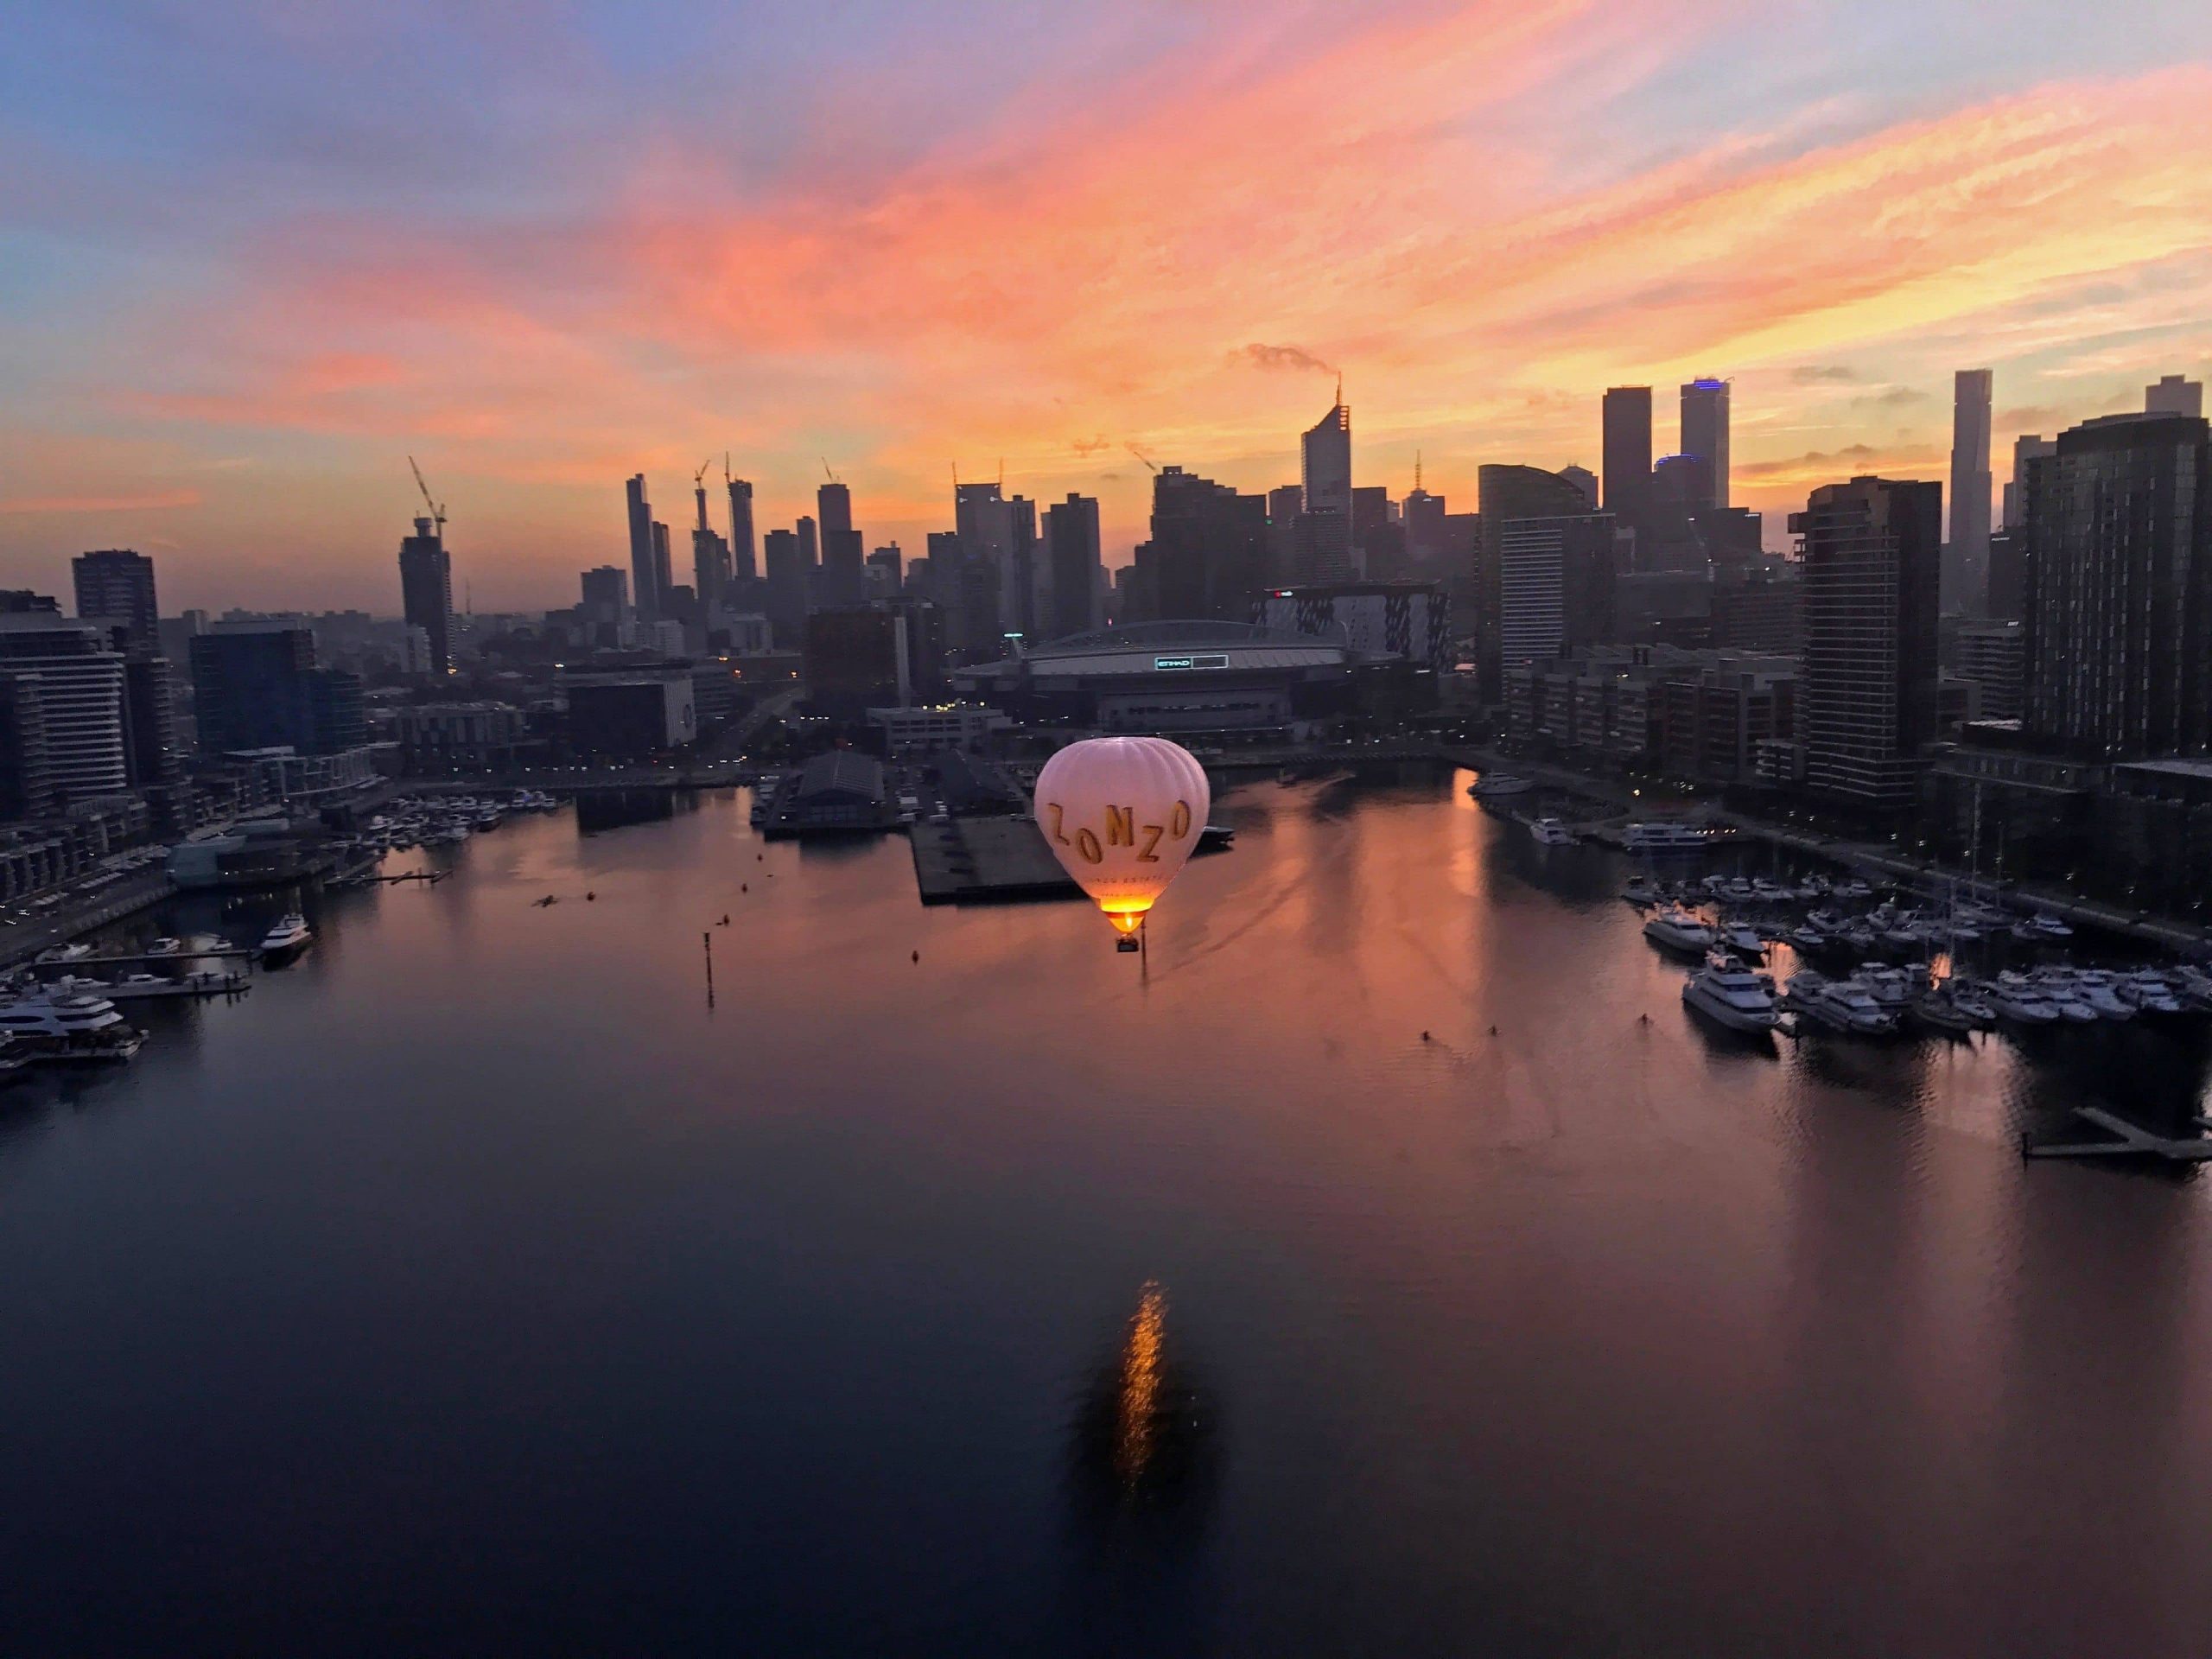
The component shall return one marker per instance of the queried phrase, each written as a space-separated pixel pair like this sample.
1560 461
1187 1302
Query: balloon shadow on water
1143 1470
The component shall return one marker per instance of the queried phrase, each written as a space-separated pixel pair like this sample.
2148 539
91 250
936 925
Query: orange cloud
147 501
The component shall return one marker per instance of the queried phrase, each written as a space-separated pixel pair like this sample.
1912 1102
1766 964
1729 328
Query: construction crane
826 472
1140 455
437 508
699 490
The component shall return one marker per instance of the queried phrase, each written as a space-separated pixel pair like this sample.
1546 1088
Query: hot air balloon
1121 814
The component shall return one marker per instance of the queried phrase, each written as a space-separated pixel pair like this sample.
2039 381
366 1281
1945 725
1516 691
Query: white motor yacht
1676 929
70 1024
2016 998
1664 837
1842 1005
1744 941
1732 995
290 933
1496 786
1551 832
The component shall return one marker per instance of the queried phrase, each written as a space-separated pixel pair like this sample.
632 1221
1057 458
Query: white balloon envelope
1123 814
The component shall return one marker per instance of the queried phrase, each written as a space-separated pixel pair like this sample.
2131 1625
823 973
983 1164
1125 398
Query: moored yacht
1842 1005
1496 786
70 1026
1551 832
1676 929
1731 995
1665 837
289 934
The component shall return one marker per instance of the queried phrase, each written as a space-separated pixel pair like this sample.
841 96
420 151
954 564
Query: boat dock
981 860
2128 1141
213 952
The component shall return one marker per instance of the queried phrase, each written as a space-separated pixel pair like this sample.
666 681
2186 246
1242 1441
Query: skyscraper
710 556
663 571
1072 553
1705 434
2118 604
844 559
1966 559
1872 555
1626 460
2174 395
787 580
643 582
118 584
742 565
426 591
1323 543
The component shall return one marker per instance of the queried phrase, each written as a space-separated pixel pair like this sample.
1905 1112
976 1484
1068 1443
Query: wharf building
1408 621
1175 677
630 714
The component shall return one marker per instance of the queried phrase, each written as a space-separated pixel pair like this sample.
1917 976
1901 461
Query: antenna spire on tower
1416 469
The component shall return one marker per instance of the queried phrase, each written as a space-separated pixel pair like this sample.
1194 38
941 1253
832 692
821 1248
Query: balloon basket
1126 944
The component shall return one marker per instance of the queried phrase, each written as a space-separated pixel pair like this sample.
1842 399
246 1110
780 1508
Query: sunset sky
254 255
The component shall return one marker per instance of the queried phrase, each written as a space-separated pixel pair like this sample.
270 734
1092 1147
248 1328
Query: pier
973 859
2128 1141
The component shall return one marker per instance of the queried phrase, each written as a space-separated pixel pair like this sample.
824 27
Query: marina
1400 1110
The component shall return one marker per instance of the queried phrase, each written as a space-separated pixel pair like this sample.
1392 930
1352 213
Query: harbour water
480 1284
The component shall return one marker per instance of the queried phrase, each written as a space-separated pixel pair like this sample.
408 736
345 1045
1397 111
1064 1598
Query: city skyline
907 259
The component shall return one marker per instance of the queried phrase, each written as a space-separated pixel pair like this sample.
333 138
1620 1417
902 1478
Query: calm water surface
477 1285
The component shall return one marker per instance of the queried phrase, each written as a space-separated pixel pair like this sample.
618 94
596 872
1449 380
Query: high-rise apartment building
2174 395
1208 552
2118 603
1871 554
82 710
1071 552
426 591
643 583
1625 460
256 686
1965 557
26 771
1556 586
118 584
1993 656
1506 495
1705 434
1323 550
2025 448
